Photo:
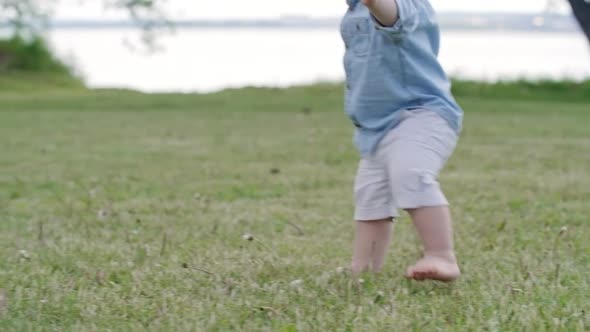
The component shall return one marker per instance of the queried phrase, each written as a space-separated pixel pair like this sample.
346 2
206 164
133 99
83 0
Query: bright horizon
234 9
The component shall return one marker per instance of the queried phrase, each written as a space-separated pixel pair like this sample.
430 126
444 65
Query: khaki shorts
403 172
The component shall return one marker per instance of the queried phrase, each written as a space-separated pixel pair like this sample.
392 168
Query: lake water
206 60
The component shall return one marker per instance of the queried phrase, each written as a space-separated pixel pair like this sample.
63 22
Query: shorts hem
425 204
369 214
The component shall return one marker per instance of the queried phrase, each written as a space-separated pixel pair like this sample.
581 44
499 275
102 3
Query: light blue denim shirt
392 69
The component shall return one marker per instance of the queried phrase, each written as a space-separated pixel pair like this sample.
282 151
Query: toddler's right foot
434 268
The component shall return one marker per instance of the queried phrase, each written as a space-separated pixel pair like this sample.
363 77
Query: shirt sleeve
408 19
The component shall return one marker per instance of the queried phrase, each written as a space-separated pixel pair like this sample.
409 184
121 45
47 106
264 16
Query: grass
121 211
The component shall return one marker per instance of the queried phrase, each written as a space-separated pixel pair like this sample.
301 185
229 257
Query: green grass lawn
121 211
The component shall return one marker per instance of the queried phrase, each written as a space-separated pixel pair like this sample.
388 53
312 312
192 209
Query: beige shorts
403 172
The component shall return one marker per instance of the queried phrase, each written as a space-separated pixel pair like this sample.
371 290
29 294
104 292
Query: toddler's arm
385 11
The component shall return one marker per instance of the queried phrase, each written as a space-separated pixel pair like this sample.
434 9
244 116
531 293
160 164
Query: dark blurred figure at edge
582 12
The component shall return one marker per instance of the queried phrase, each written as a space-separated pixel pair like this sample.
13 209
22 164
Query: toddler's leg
371 241
373 212
417 152
436 231
383 230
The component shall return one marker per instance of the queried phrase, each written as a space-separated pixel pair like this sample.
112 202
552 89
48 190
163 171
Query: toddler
407 125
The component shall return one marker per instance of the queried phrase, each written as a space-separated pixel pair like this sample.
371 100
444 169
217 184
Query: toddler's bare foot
434 268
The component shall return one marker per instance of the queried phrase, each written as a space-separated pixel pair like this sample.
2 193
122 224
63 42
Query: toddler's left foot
434 268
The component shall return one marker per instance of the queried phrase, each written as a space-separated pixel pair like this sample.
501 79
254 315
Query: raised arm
385 11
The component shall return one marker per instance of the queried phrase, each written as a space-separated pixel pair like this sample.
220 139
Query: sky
222 9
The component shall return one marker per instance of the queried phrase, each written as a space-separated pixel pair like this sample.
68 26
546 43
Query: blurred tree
20 15
582 12
28 18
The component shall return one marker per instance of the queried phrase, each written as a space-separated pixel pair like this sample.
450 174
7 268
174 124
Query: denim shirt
393 69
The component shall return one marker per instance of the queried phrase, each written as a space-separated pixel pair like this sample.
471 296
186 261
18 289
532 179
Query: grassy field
121 211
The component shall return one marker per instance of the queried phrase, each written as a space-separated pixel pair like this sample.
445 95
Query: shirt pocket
356 35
